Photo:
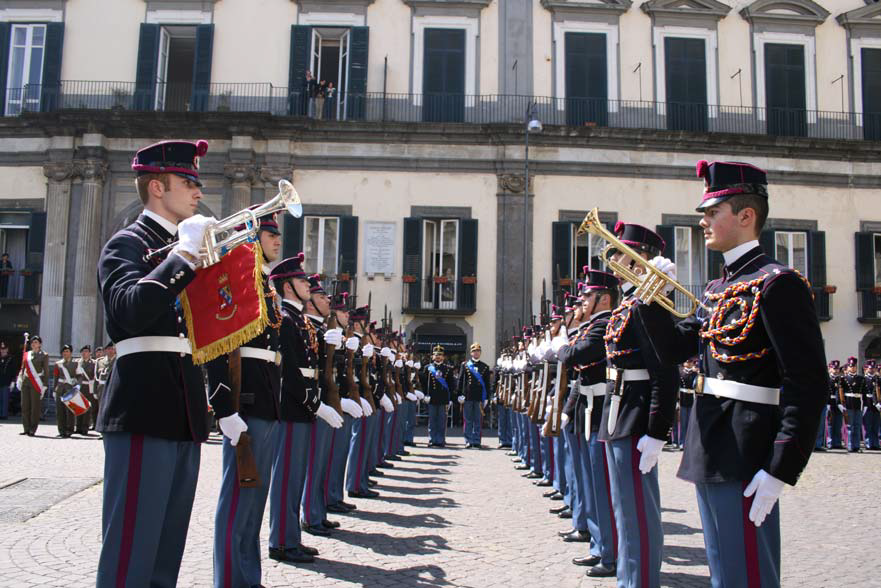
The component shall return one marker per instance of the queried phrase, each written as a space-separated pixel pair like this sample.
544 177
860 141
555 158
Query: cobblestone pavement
447 517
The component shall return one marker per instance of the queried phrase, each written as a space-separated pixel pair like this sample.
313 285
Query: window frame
319 268
857 44
559 41
875 261
471 25
711 48
574 267
428 296
29 46
790 249
809 46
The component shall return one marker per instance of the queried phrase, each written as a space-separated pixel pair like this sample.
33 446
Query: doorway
174 72
330 63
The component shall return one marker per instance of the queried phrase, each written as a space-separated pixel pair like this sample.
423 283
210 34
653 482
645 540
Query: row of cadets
365 430
587 353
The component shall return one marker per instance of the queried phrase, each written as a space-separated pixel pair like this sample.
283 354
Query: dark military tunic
588 353
469 386
299 348
433 388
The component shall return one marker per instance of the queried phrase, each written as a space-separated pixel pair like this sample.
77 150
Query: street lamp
533 125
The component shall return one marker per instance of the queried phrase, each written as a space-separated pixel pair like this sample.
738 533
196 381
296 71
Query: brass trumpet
223 236
649 286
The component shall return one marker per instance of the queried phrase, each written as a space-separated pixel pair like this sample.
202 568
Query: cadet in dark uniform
65 368
104 368
154 412
871 405
854 386
835 407
762 384
85 375
300 404
473 395
357 481
687 378
437 382
257 410
637 418
33 381
588 353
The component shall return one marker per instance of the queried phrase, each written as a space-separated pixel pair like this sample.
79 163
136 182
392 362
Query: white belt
854 395
153 344
598 389
257 353
628 375
741 391
686 391
309 373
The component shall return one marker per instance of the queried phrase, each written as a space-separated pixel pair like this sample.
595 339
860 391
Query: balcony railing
869 305
444 108
20 286
439 295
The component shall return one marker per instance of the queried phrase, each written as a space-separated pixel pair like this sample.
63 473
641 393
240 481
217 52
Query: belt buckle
699 385
278 358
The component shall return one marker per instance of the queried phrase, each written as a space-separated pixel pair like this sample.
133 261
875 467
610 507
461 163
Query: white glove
386 352
387 404
351 408
409 363
668 267
461 399
650 448
191 233
232 426
548 409
767 490
352 343
367 350
417 365
329 416
564 419
411 396
841 408
399 364
334 337
398 398
365 407
419 395
878 406
558 343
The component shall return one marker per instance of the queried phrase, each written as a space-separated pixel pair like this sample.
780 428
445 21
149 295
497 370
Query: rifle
333 391
553 423
366 390
350 364
246 464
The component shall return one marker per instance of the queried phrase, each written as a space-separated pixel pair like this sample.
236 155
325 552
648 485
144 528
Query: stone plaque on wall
379 247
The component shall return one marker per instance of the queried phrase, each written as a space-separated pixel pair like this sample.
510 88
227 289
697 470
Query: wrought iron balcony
439 295
869 305
444 108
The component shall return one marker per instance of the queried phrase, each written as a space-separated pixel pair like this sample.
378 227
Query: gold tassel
233 340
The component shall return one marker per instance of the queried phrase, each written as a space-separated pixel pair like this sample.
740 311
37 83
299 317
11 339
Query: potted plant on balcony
223 101
408 279
121 98
469 279
440 279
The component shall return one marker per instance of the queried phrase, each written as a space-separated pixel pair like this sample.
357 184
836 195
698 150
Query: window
443 83
876 239
785 89
586 250
174 67
686 83
791 248
439 263
587 95
27 47
330 64
690 257
321 245
870 64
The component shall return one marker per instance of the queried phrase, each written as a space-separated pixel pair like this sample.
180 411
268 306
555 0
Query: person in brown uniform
33 383
65 368
85 375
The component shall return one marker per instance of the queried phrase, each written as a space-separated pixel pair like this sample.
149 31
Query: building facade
413 170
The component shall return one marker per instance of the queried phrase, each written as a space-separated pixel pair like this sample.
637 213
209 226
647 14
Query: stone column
88 249
241 175
59 175
511 273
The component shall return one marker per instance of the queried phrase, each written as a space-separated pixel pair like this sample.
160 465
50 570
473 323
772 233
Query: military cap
180 158
292 267
724 179
475 347
640 238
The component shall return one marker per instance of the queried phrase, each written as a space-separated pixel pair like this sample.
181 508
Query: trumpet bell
291 198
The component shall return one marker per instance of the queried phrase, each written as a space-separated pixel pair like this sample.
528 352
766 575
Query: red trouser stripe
640 513
227 547
132 487
286 469
750 545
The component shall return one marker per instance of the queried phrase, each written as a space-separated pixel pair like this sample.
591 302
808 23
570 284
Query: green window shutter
865 260
767 240
50 92
147 67
668 234
467 263
202 67
412 266
36 240
356 99
292 242
301 46
348 250
561 256
5 29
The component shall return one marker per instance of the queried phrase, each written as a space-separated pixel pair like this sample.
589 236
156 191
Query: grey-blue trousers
739 553
149 486
437 423
336 469
636 498
286 489
239 512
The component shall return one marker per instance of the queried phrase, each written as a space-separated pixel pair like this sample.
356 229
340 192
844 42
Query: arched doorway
449 335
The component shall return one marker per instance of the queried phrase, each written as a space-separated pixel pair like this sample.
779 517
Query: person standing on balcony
330 94
310 86
473 395
6 271
320 95
154 411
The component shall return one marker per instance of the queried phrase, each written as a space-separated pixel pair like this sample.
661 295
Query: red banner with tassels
224 304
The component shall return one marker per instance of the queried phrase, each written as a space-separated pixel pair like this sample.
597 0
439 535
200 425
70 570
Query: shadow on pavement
426 470
386 544
428 520
432 463
440 502
679 529
680 555
422 479
416 576
412 491
677 579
